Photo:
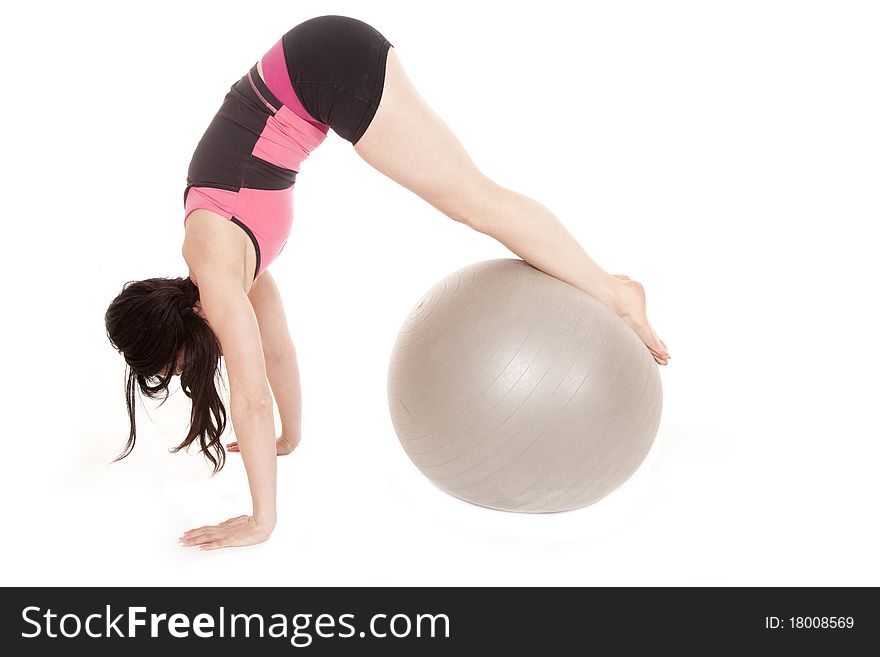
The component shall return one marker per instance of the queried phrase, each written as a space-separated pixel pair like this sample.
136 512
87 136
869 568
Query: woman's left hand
283 446
235 532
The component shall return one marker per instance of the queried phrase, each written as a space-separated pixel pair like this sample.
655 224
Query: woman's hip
335 68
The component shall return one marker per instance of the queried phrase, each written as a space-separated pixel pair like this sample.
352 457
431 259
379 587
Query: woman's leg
410 144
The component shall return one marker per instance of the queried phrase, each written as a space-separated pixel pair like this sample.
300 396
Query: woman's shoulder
213 245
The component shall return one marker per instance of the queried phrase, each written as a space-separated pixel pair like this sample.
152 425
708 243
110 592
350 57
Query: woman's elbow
253 404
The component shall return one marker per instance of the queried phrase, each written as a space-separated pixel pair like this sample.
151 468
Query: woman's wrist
265 519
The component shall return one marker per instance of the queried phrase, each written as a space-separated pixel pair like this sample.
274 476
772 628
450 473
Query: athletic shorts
327 72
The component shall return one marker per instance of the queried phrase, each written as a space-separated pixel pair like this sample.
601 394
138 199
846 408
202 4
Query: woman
328 72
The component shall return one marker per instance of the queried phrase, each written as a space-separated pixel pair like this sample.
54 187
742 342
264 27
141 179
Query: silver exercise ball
511 389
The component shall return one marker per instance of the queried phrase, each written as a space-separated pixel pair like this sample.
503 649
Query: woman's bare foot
632 309
283 446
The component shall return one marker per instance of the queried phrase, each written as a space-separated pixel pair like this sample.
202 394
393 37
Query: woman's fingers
211 540
282 446
191 532
211 533
235 532
199 537
201 529
200 534
207 527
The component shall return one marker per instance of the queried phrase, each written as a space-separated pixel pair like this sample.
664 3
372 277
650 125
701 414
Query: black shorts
336 65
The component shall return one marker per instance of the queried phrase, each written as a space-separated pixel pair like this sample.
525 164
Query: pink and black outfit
327 72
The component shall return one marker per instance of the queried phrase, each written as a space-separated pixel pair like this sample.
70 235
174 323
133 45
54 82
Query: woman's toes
659 347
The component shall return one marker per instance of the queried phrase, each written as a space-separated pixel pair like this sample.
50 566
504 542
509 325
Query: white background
725 154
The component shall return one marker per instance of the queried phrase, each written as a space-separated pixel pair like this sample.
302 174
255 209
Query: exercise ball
513 390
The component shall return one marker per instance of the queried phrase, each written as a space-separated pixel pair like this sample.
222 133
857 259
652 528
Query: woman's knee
475 203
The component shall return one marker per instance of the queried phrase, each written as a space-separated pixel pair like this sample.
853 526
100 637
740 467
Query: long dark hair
149 322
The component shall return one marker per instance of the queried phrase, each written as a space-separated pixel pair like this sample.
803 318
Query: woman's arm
280 357
231 316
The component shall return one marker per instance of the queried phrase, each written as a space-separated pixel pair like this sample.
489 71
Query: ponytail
201 370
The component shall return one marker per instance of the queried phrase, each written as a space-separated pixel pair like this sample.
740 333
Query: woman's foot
631 307
283 446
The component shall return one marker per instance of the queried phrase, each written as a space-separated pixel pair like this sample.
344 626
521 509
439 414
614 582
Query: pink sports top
245 164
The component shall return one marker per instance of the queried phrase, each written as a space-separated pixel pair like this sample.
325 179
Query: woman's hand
283 446
235 532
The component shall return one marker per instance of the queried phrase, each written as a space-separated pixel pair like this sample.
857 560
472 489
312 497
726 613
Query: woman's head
156 325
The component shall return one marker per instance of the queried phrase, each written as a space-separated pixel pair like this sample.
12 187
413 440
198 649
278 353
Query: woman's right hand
283 446
235 532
